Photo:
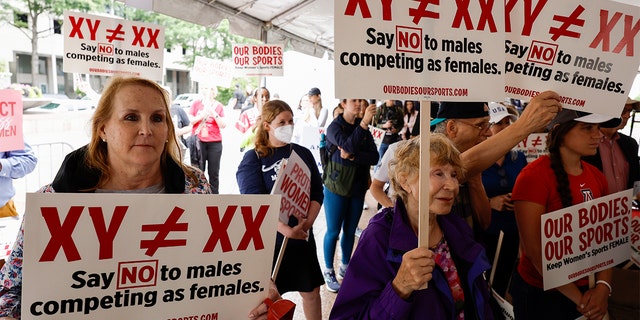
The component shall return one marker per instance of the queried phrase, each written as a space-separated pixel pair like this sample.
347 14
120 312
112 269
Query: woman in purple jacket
388 270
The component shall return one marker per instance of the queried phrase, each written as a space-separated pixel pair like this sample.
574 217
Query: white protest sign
294 184
506 309
109 46
533 146
310 139
378 135
162 256
260 60
585 238
211 72
8 231
420 50
586 51
11 131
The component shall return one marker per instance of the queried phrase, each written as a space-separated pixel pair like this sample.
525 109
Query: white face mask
284 133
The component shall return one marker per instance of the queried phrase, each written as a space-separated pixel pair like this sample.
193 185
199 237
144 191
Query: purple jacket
366 292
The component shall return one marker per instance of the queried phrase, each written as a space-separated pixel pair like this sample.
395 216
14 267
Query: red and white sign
165 256
419 50
635 237
260 60
586 51
212 72
294 184
109 46
8 231
11 137
533 146
585 238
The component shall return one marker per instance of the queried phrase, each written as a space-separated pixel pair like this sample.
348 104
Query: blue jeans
531 303
341 213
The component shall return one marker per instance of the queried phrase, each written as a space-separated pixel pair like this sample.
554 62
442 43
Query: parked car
186 99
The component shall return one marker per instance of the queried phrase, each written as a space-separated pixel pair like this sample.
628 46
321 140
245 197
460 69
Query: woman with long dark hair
550 183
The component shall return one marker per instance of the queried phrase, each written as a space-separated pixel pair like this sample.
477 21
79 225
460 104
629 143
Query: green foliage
27 90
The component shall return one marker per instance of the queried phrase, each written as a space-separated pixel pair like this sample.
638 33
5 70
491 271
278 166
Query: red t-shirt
537 183
212 125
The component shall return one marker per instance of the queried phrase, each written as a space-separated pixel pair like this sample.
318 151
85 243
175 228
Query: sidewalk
319 228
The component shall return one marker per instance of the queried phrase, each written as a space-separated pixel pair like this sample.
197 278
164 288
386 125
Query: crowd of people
483 194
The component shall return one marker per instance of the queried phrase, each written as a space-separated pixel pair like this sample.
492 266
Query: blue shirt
15 165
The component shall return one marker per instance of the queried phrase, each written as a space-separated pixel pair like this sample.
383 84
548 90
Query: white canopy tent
305 26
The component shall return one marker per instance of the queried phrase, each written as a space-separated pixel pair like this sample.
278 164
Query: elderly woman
453 265
133 149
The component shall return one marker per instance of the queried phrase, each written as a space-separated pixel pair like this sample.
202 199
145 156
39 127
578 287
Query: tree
35 9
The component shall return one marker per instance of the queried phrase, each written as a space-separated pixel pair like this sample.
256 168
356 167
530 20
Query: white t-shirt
382 174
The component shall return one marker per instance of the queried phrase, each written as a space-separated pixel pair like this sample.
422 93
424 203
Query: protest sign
533 146
378 134
211 72
505 308
109 256
262 60
11 137
8 231
635 237
586 51
586 238
309 137
294 184
109 46
412 50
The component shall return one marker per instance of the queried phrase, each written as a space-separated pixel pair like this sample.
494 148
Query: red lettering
462 12
567 22
486 16
153 36
75 27
350 10
219 229
160 240
629 35
61 233
138 33
106 235
422 12
606 26
530 15
252 228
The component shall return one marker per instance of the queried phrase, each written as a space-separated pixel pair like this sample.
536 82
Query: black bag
193 143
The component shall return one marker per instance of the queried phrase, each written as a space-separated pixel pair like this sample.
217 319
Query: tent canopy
304 25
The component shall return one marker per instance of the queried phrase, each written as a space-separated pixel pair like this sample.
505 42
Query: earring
104 140
166 141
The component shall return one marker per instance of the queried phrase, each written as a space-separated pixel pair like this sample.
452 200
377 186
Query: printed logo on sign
105 49
542 52
408 39
137 274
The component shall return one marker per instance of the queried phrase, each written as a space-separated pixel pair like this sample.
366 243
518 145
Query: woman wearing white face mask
299 269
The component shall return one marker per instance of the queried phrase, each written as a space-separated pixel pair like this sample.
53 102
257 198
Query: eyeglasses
482 127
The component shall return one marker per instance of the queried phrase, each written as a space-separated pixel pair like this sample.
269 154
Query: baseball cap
498 112
314 92
635 103
460 110
567 115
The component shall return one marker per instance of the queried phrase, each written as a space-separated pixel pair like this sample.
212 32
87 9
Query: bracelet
364 124
606 284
